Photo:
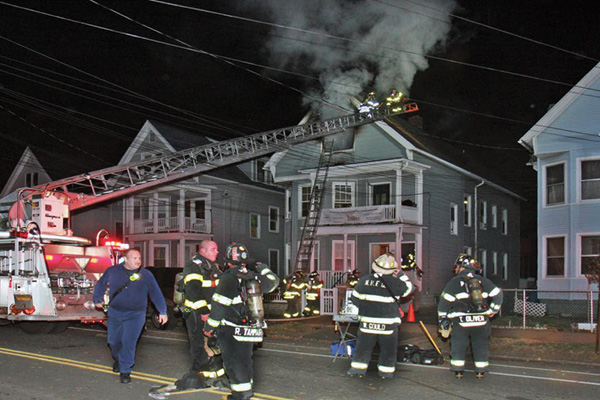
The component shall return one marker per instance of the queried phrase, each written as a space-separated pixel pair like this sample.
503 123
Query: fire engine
47 274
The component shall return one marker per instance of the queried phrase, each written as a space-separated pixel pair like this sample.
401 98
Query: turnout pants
194 326
237 357
293 307
313 307
124 329
479 337
388 352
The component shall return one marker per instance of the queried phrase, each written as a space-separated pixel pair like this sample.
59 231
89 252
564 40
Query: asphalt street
77 365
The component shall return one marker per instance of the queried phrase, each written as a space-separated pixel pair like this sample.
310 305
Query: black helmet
466 261
236 254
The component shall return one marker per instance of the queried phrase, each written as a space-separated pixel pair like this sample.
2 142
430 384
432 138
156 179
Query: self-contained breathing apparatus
472 283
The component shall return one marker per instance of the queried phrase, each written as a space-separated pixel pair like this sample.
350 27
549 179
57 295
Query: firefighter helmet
385 264
466 261
236 254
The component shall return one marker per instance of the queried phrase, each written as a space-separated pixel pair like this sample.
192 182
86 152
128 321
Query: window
505 266
590 249
494 216
467 209
259 173
453 219
273 219
343 195
255 226
555 184
288 204
504 221
380 194
482 258
161 255
590 179
195 208
274 260
483 214
152 137
338 255
555 256
495 262
31 179
304 200
468 250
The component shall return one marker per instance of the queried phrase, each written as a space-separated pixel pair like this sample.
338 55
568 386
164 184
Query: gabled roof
27 162
528 140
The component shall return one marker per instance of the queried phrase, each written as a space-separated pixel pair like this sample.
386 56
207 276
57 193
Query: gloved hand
444 327
251 265
207 333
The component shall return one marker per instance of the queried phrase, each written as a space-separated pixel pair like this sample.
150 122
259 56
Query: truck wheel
171 322
59 326
416 358
35 327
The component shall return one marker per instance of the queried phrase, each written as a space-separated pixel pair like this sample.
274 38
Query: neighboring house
566 155
235 203
28 172
391 187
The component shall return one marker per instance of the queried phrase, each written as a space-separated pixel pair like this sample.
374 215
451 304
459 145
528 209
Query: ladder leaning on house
311 222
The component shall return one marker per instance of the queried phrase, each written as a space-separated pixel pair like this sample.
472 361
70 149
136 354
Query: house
236 203
565 150
392 187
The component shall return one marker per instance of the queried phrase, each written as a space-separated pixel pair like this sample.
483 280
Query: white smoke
385 46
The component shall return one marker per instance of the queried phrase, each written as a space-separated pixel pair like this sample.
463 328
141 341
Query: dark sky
481 107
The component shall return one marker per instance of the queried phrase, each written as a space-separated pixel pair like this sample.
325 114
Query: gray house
237 203
392 187
566 155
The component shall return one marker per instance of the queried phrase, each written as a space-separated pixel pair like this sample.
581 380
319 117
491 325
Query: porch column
128 214
419 195
181 253
181 211
399 243
154 212
345 252
398 195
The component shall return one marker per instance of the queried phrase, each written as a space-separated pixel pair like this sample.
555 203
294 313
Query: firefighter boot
479 375
356 372
459 374
116 366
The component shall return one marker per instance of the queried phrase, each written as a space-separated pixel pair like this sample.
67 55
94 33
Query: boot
125 377
459 374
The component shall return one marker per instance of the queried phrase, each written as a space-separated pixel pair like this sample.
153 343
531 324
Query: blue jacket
135 296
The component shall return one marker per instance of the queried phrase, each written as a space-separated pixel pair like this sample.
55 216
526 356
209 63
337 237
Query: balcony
368 215
170 224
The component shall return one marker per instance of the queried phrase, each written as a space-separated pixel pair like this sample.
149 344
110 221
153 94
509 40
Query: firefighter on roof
394 101
376 296
313 291
369 104
237 316
465 307
294 286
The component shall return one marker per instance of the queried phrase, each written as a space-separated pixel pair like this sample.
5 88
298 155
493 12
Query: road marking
108 370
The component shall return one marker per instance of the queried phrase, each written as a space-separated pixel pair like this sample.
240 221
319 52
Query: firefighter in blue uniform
376 296
237 316
313 292
200 279
466 305
294 286
130 285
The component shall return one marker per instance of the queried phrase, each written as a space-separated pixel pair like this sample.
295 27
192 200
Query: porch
370 215
169 224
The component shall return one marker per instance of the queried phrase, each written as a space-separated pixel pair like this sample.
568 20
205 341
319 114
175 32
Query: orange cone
411 313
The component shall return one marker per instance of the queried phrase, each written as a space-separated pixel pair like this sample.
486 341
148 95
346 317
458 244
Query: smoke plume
384 47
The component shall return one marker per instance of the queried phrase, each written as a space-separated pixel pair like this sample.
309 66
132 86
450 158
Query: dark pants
313 307
293 307
479 337
388 351
195 325
124 329
237 357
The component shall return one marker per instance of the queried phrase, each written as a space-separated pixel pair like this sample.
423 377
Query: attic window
31 179
152 137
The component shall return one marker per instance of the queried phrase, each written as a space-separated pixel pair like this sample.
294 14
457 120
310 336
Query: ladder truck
47 274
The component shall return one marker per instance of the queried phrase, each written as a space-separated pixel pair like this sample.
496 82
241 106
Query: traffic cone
411 313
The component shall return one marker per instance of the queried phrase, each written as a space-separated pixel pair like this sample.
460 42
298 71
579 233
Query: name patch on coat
248 334
472 318
372 326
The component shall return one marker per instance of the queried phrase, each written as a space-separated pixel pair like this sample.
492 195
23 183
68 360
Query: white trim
579 251
545 188
504 266
167 247
544 256
454 224
494 262
250 225
136 144
579 182
494 209
278 260
277 222
27 162
469 207
370 191
351 256
351 184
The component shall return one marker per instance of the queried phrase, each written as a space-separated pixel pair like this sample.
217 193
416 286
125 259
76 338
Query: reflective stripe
357 365
442 314
457 363
408 284
375 332
237 300
485 295
194 305
448 297
471 324
265 271
375 298
383 368
213 322
192 277
241 387
395 320
312 296
226 301
248 338
495 306
213 374
462 314
481 364
494 291
462 296
272 277
301 286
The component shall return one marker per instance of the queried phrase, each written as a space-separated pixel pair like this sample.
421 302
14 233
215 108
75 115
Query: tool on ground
429 337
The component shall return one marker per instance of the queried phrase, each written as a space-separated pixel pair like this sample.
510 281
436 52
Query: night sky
77 95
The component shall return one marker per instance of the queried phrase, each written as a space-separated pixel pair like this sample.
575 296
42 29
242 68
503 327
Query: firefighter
129 285
353 278
294 286
313 291
376 296
200 279
369 104
466 305
394 101
236 316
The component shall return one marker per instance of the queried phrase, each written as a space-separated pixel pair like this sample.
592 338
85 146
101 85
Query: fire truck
47 274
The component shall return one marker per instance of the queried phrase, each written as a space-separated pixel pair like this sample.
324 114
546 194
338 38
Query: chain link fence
558 309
